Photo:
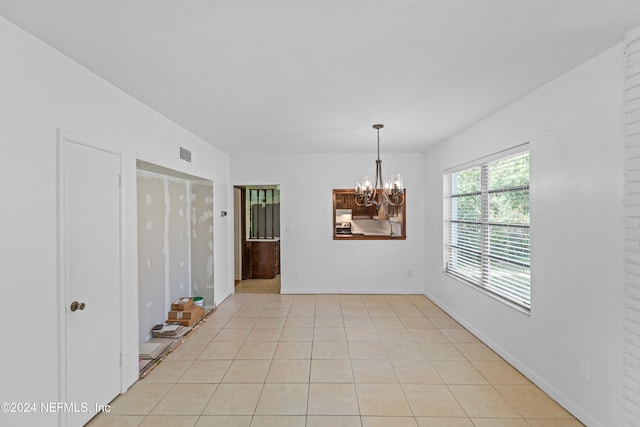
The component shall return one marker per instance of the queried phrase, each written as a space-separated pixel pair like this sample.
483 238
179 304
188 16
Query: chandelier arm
392 203
385 199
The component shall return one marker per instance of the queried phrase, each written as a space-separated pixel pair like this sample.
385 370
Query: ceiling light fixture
389 192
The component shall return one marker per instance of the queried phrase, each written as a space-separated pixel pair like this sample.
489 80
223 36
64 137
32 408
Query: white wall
311 261
574 126
43 91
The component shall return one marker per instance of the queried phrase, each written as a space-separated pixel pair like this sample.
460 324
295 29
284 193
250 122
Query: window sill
365 237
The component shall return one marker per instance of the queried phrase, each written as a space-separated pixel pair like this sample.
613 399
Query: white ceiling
310 76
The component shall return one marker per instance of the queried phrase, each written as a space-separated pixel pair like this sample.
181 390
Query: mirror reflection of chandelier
377 193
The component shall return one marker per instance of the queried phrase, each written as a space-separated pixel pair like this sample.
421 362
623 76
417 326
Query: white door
90 276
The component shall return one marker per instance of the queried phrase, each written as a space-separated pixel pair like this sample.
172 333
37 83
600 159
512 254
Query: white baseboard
564 400
352 291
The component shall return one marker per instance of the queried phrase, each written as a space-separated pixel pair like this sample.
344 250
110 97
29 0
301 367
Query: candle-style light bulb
397 182
367 183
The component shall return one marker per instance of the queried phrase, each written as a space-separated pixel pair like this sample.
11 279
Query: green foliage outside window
489 226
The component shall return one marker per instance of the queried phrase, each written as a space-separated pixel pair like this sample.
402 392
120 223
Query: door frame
240 233
243 233
245 250
64 137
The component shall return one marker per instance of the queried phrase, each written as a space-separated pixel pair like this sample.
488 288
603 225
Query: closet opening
175 251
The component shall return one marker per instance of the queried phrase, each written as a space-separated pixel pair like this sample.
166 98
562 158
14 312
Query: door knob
76 306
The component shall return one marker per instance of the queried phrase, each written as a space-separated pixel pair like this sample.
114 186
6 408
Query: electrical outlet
585 370
409 273
296 275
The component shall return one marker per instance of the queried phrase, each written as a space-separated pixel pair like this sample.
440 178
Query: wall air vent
185 154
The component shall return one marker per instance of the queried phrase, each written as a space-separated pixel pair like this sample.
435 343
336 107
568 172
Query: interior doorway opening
257 238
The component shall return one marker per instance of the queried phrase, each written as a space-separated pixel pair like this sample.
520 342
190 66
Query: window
263 212
487 227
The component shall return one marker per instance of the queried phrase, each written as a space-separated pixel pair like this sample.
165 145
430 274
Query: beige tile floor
333 360
260 286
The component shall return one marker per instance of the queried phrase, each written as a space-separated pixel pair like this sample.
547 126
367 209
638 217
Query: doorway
257 239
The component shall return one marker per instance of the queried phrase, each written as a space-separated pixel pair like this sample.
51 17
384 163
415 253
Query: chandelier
389 192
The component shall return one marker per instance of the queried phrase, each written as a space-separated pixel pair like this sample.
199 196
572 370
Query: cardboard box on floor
182 304
187 313
194 314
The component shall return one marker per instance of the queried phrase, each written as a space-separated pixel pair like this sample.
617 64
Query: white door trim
62 138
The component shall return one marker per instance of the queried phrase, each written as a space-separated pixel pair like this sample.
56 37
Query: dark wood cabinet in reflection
264 258
343 200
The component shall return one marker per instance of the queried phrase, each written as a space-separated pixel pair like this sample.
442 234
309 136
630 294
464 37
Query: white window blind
487 227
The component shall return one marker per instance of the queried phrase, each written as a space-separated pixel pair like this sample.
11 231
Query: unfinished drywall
175 244
177 206
151 252
202 240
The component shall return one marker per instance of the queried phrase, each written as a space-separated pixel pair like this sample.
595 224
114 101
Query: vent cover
185 154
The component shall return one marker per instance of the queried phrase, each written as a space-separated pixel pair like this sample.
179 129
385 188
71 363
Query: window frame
485 253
